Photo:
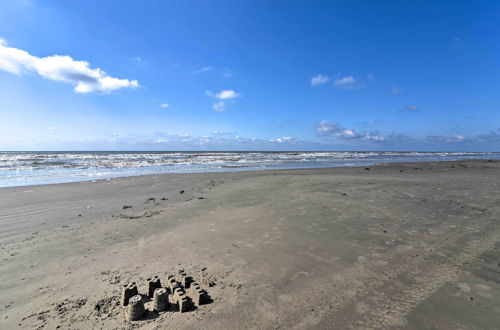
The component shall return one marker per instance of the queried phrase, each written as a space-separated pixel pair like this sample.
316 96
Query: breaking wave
29 168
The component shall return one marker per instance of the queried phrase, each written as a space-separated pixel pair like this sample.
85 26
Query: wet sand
403 246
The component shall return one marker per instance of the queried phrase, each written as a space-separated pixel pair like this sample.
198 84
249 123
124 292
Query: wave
26 168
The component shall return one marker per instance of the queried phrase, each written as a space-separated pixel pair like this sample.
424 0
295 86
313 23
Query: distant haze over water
31 168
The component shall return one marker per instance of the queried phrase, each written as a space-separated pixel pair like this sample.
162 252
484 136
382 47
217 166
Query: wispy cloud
203 69
61 68
139 59
350 82
457 138
455 42
328 128
283 139
222 133
412 108
227 73
396 90
319 79
219 106
164 105
347 82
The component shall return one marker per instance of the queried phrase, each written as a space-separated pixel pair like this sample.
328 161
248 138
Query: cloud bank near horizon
329 136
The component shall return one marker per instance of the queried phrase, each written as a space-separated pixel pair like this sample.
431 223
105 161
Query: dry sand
411 246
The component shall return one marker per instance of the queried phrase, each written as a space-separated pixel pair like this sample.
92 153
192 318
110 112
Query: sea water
31 168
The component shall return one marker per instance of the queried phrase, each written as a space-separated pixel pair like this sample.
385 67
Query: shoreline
256 171
402 245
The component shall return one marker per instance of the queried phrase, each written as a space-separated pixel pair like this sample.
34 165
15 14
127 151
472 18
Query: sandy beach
403 246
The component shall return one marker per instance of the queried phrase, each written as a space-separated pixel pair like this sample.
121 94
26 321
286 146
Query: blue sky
249 75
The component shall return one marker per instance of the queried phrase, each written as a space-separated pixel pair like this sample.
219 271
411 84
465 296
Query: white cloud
457 138
219 106
370 140
342 82
326 128
319 80
226 72
164 105
412 108
345 82
227 94
347 133
224 96
204 69
396 90
371 136
61 68
52 128
282 139
222 133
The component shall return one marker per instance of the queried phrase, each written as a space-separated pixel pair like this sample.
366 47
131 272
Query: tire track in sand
394 312
369 277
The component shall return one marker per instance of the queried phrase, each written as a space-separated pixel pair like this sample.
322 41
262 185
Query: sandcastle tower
184 304
128 292
135 310
160 299
171 282
153 284
197 294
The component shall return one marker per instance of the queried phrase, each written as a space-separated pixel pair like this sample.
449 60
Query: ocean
33 168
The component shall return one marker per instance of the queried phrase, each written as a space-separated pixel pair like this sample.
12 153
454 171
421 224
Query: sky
250 75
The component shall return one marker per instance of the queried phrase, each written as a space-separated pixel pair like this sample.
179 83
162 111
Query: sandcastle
128 292
153 284
160 299
135 309
180 293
